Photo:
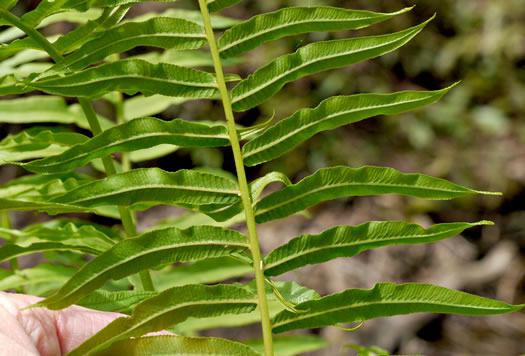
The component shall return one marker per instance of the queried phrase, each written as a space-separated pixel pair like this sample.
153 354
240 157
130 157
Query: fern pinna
86 65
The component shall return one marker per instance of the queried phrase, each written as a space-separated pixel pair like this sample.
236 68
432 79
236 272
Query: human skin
40 331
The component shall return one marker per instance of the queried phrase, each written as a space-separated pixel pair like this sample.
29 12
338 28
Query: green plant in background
180 297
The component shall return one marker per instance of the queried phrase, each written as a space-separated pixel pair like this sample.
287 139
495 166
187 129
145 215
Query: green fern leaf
67 229
43 273
289 290
141 106
71 40
41 188
153 185
348 241
336 182
43 10
291 21
109 18
47 8
115 301
8 4
178 345
10 49
330 114
24 204
32 192
9 251
210 270
151 249
131 76
40 109
217 21
157 32
386 299
13 33
314 58
217 5
133 135
10 85
169 308
37 142
221 212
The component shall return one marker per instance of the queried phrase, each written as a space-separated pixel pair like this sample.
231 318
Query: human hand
40 331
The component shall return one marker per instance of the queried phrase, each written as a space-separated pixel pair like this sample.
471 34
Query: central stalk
243 184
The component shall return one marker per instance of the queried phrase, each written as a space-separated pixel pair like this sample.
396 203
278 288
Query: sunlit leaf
10 49
37 142
24 56
40 188
39 109
25 70
152 153
13 33
291 21
247 133
258 185
331 113
314 58
185 58
140 106
66 231
48 273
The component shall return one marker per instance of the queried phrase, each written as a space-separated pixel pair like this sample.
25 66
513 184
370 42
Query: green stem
119 106
5 220
13 263
31 32
6 223
243 184
91 116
